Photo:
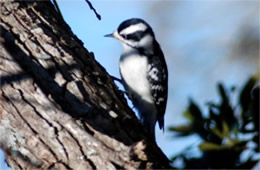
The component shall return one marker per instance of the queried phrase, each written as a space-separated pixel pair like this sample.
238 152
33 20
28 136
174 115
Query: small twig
92 8
116 79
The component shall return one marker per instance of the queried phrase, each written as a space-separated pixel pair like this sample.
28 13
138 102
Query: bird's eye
124 36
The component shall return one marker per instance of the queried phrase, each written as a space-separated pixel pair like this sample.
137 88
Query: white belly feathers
133 69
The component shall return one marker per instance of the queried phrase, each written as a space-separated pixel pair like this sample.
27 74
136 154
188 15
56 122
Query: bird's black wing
158 79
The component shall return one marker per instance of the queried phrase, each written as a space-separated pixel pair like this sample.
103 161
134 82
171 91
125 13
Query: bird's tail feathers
161 122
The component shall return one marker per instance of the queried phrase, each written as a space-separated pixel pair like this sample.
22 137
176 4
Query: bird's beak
110 35
114 35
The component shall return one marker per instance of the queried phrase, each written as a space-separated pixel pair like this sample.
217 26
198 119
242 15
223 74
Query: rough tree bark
58 107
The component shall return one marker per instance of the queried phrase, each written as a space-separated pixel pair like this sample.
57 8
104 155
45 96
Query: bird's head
135 33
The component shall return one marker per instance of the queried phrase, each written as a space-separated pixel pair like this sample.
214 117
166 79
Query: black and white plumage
144 71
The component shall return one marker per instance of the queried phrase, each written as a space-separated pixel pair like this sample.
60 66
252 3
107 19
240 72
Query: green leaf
209 146
245 95
217 132
182 128
222 92
221 133
226 111
225 128
188 115
255 107
195 110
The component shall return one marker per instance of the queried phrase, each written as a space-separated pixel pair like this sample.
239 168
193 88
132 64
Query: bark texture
59 109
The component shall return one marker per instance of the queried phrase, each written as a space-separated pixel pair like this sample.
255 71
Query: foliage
226 131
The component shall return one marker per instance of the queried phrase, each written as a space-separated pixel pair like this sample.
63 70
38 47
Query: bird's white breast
133 69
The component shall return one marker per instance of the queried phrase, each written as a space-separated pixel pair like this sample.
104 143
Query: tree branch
59 107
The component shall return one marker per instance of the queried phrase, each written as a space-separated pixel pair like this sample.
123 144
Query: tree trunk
59 107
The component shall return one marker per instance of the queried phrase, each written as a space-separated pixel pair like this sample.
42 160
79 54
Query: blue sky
197 37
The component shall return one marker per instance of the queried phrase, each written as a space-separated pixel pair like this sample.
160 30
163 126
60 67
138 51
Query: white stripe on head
146 41
134 28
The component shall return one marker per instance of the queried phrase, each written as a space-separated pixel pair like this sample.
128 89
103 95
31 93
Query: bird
143 71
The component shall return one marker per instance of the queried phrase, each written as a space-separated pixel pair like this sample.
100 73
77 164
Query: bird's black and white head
135 33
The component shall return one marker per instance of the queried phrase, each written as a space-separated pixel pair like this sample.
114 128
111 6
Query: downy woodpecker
144 71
